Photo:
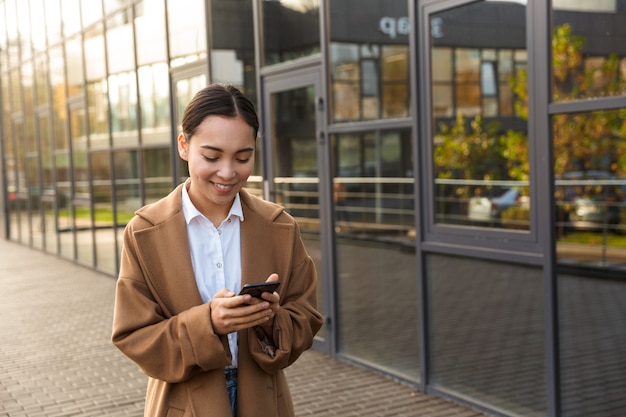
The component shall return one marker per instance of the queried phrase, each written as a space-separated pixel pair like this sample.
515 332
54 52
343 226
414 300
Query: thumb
272 278
224 293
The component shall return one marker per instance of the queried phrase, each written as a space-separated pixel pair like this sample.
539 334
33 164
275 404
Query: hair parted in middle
218 100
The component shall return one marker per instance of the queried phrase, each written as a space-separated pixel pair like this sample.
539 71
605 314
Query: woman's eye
210 159
243 161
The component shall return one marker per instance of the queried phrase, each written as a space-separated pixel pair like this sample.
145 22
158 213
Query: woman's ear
183 146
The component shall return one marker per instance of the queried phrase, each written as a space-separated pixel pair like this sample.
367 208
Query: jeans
231 387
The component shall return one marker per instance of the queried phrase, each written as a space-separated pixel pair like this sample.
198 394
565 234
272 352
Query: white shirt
215 254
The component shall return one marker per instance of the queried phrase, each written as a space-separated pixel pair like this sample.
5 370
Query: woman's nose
227 171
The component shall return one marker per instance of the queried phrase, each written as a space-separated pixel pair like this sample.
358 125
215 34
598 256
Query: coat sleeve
169 346
297 321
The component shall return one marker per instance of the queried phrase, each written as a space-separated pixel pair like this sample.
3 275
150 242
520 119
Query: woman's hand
231 313
274 305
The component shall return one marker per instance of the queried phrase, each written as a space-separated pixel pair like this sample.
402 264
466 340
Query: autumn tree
582 141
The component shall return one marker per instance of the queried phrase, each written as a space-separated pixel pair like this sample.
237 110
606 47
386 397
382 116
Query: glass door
296 168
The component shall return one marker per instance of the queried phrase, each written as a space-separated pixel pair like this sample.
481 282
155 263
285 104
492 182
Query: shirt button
230 220
219 232
219 265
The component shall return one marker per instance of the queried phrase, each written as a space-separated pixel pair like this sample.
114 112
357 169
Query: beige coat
161 323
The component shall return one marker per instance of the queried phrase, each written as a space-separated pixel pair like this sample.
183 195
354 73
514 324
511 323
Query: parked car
592 199
490 208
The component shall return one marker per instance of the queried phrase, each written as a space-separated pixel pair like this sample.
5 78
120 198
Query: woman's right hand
231 313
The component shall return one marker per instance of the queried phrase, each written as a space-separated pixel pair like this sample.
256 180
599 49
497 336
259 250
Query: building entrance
296 169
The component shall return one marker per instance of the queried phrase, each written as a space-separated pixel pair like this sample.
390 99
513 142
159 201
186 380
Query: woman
207 350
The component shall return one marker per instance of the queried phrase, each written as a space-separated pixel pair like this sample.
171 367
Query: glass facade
589 66
458 168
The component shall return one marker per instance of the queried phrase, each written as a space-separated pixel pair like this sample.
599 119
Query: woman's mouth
223 187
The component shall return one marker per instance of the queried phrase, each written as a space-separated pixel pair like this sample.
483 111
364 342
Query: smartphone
259 288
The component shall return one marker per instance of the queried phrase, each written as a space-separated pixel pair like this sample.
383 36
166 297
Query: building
458 168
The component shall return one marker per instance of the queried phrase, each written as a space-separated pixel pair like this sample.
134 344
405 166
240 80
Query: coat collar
171 205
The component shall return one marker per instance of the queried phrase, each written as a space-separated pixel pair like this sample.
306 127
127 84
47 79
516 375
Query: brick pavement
56 358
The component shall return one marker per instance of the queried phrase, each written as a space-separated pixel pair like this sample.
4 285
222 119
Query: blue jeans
231 387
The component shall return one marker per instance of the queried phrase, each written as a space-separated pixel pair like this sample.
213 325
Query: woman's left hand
274 300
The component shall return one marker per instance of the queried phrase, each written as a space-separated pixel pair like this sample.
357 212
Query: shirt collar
190 211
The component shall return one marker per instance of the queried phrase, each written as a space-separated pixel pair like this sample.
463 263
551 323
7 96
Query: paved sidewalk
56 358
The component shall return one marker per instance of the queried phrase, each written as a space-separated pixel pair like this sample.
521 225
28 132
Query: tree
582 141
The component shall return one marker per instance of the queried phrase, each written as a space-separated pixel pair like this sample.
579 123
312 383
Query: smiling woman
187 256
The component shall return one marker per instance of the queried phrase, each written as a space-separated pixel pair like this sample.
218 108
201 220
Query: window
123 98
57 81
98 113
120 42
154 95
480 145
188 42
369 61
74 59
487 333
588 63
300 18
41 78
233 57
373 195
150 30
71 16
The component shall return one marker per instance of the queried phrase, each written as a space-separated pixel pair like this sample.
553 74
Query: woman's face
220 156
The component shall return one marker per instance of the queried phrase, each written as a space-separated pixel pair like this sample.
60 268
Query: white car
488 209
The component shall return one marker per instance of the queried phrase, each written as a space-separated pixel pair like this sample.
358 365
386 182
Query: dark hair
218 100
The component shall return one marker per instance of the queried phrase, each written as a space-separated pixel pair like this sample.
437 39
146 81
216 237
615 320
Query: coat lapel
262 240
166 256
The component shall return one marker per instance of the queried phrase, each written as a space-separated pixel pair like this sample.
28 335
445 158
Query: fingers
271 297
229 315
